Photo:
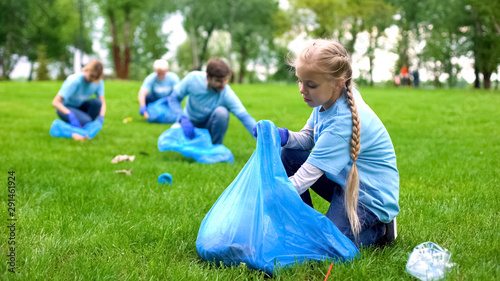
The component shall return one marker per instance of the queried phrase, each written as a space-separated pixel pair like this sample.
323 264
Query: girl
72 103
352 163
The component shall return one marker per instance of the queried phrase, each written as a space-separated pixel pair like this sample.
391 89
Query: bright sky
383 65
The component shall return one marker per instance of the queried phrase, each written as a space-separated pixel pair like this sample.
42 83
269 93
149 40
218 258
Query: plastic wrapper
160 112
61 129
260 219
200 148
428 261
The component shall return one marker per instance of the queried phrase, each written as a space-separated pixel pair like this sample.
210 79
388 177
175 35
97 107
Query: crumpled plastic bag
200 147
260 219
428 261
160 112
61 129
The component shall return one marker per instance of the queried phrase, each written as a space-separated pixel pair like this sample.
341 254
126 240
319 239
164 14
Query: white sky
383 65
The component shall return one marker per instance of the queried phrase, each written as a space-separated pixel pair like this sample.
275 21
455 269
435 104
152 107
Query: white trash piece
428 261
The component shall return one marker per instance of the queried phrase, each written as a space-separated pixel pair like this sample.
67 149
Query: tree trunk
477 82
115 46
486 79
126 42
243 59
30 77
204 49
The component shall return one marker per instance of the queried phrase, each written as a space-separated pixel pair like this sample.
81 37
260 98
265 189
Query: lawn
79 220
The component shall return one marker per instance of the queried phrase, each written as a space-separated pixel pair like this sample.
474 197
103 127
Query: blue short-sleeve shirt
378 174
75 90
160 88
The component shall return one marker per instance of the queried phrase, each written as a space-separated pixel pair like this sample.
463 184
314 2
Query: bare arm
142 100
142 96
57 103
103 106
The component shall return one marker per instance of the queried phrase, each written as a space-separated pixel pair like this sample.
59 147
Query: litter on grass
121 158
127 172
428 261
260 219
165 178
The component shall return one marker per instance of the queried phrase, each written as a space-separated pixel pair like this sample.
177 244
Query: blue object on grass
200 147
61 129
165 178
160 112
261 220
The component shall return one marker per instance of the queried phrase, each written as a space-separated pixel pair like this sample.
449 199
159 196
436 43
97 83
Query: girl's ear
340 83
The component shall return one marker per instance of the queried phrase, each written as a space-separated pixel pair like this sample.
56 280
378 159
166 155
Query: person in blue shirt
210 99
344 152
72 102
157 85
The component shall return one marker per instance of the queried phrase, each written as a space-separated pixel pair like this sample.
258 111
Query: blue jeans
151 97
372 229
217 124
86 113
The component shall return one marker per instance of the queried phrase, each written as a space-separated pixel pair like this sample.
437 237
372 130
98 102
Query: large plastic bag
260 219
61 129
160 112
200 147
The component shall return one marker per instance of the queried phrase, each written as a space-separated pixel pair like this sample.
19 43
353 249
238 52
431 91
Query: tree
124 19
13 19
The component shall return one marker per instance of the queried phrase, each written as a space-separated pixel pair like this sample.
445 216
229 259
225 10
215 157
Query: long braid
352 185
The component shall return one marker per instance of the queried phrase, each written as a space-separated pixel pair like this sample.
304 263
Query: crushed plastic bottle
428 261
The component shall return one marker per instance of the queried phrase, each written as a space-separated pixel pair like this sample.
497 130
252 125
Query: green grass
78 220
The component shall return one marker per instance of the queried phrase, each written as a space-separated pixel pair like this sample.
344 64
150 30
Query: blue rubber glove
283 132
73 120
101 119
142 110
188 127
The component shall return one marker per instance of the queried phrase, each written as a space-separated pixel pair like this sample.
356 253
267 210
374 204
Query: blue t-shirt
75 90
378 174
160 88
201 101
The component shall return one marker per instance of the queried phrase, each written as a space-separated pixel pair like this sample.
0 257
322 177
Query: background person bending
209 103
157 85
72 102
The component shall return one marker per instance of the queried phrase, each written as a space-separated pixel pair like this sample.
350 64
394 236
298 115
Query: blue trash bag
260 219
61 129
200 148
160 112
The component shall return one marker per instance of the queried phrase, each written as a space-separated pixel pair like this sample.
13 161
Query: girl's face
90 76
316 90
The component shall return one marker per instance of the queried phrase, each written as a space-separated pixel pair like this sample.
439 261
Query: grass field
79 220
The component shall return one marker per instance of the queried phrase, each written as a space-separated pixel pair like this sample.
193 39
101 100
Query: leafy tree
42 71
127 21
13 20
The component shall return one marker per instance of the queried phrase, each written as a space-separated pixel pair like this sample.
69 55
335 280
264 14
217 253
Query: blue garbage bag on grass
61 129
260 219
200 148
160 112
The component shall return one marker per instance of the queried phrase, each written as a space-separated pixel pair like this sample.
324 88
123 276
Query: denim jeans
86 113
372 229
217 124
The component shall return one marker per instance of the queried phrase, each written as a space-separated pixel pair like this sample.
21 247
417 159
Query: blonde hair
96 68
160 64
331 59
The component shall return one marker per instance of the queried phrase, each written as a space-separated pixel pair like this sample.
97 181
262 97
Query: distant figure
416 78
405 77
72 102
210 99
397 80
157 85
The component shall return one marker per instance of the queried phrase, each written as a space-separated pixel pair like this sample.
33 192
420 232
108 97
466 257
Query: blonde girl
344 152
72 102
